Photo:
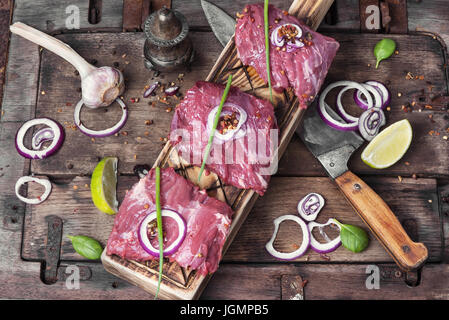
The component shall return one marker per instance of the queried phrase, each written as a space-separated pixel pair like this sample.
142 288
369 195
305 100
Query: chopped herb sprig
267 47
159 228
214 127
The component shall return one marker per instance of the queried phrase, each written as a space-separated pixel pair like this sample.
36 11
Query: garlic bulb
99 86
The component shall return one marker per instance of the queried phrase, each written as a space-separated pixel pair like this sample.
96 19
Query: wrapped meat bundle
299 56
203 221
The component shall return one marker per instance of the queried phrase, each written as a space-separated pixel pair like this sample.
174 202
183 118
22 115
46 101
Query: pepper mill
167 45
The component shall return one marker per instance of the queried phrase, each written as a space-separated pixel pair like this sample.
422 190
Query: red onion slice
143 233
304 244
101 133
58 138
236 133
310 206
291 46
44 182
170 91
370 123
379 87
348 117
41 136
330 245
148 92
322 105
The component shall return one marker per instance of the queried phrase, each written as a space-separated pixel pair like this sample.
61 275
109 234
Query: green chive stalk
267 48
214 127
159 228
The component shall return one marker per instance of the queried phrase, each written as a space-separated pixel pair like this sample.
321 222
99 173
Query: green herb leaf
384 49
159 228
267 47
214 127
87 247
353 238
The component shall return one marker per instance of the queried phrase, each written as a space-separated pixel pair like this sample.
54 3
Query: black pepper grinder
167 45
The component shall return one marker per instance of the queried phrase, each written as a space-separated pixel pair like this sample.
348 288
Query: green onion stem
159 228
212 133
267 48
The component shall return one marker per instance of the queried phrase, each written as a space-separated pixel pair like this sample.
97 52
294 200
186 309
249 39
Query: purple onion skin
330 124
166 253
110 133
151 89
326 251
49 152
384 104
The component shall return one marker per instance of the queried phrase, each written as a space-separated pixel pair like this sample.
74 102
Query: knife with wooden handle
333 149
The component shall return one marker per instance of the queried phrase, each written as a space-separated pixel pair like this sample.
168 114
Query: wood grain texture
51 17
75 207
382 222
426 157
288 115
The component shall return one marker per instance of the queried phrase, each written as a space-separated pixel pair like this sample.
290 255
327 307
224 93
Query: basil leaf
87 247
383 50
353 238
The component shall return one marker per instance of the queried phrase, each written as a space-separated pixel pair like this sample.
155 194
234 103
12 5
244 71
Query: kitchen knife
222 24
333 148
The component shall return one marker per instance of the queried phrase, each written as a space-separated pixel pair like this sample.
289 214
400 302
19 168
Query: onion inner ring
143 232
305 239
105 132
39 154
44 182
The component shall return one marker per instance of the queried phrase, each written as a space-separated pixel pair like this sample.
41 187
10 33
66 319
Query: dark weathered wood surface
427 156
72 202
240 278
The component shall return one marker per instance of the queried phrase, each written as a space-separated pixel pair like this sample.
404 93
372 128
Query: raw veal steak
207 220
247 159
303 68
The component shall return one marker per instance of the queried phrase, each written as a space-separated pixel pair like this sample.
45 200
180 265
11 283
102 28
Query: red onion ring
304 244
44 182
327 247
41 136
381 88
236 133
348 117
101 133
370 123
322 105
143 232
280 41
58 138
310 206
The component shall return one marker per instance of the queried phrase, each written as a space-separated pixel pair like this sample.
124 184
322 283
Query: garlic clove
101 87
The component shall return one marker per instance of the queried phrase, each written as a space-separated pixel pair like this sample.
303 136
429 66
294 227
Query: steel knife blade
331 147
222 24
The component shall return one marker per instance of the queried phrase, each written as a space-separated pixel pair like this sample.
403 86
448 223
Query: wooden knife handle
383 223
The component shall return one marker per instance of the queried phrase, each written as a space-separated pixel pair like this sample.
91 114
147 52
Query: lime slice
103 185
389 146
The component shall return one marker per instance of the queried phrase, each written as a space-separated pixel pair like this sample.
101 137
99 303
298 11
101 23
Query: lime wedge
103 185
389 146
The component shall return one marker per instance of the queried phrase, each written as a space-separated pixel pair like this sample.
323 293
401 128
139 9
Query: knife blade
333 148
222 24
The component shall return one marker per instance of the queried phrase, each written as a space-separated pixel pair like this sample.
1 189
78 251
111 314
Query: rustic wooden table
34 249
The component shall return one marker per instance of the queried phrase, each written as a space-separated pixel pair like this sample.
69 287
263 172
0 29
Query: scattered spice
148 122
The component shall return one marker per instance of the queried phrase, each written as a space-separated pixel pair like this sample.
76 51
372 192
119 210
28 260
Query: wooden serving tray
182 283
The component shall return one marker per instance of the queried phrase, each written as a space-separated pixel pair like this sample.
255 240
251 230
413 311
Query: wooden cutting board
80 155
